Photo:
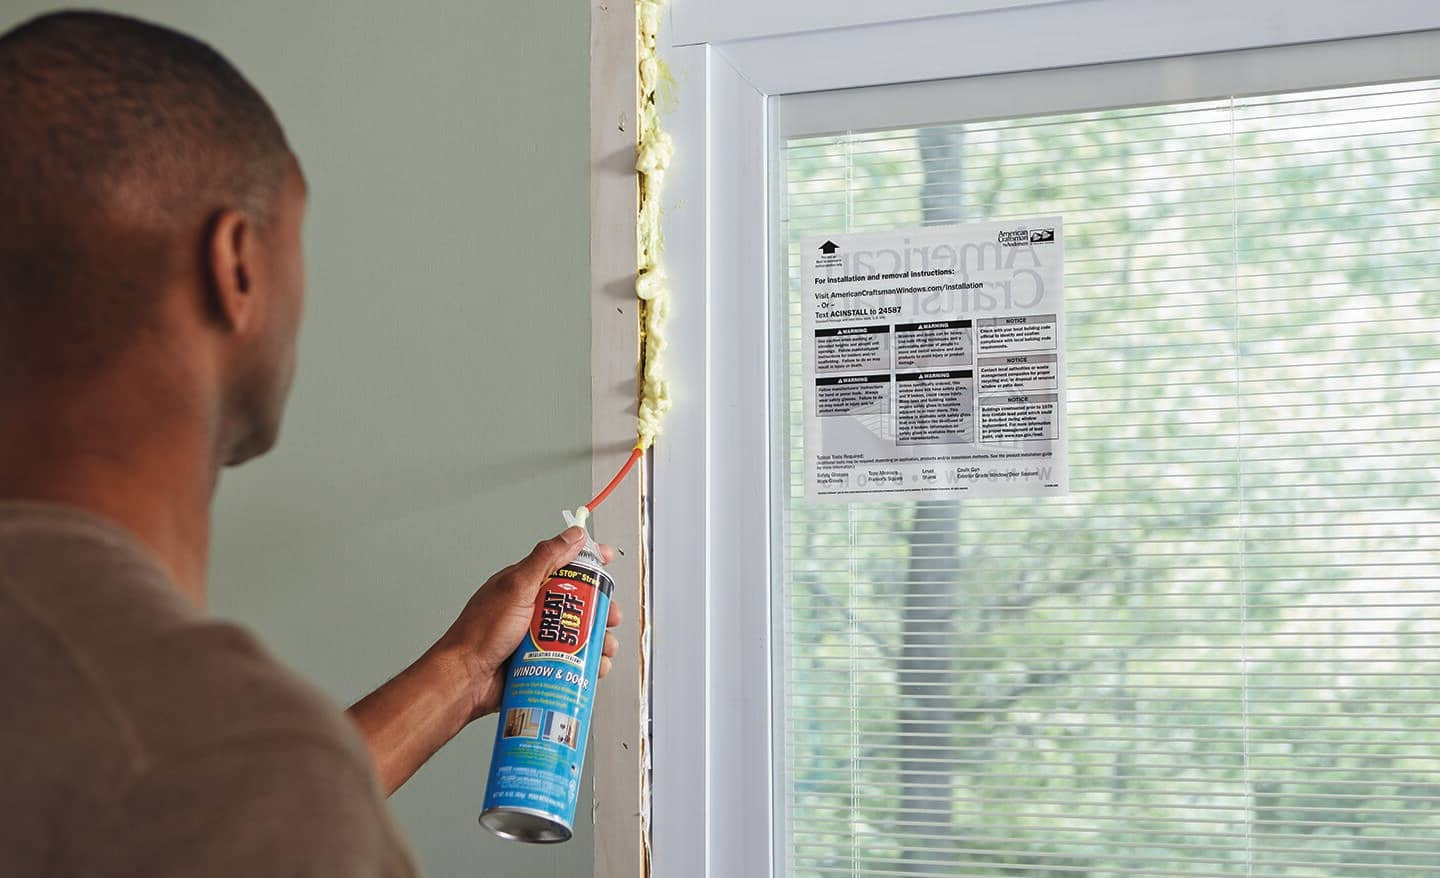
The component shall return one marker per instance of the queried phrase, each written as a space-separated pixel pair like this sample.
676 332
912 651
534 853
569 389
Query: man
151 287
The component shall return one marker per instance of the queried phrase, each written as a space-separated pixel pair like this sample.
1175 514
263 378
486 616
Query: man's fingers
604 666
616 617
607 553
612 645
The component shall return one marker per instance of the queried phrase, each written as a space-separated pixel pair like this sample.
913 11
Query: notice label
1009 374
935 362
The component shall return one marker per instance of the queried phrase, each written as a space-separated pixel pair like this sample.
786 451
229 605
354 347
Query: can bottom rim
525 824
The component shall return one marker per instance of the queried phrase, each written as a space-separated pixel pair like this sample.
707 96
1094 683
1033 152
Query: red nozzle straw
615 482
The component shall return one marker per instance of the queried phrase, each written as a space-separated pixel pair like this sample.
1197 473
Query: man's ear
230 265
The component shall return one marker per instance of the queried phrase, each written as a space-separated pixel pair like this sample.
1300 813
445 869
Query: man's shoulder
153 738
210 682
107 632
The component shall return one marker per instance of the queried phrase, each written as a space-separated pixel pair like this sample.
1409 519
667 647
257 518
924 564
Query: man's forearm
415 714
462 676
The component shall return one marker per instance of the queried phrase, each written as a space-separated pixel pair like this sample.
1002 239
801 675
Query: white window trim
713 647
705 21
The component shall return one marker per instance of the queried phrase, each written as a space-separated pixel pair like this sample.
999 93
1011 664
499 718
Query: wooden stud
618 739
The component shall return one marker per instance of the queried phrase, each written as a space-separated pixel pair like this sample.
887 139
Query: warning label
852 395
940 343
935 407
852 348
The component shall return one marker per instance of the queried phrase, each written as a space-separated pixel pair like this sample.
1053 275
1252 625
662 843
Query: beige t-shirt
140 737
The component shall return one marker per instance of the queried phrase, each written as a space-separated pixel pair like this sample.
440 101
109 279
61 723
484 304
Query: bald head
120 143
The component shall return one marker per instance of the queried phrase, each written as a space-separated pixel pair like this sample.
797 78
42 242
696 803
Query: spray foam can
545 713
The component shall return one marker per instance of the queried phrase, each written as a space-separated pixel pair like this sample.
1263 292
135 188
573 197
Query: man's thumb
548 555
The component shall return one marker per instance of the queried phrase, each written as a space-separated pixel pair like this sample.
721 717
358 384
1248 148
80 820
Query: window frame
713 649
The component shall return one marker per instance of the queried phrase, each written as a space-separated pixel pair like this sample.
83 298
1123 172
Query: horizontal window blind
1218 655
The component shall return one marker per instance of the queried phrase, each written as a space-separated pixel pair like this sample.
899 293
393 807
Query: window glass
1218 655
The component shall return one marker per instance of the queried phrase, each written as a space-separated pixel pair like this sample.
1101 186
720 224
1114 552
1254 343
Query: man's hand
495 620
462 677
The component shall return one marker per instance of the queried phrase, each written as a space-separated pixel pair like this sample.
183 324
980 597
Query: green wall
441 415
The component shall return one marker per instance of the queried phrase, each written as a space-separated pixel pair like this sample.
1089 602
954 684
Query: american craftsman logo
1026 237
829 255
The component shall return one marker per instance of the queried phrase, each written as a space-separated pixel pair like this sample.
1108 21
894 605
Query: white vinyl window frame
713 650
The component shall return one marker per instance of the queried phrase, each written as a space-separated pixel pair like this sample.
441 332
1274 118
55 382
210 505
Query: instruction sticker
935 362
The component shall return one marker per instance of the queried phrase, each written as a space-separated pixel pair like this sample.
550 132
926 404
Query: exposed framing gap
619 736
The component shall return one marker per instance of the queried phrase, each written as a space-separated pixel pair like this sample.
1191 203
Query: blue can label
549 694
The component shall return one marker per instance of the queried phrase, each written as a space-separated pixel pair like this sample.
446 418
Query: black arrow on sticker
829 247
